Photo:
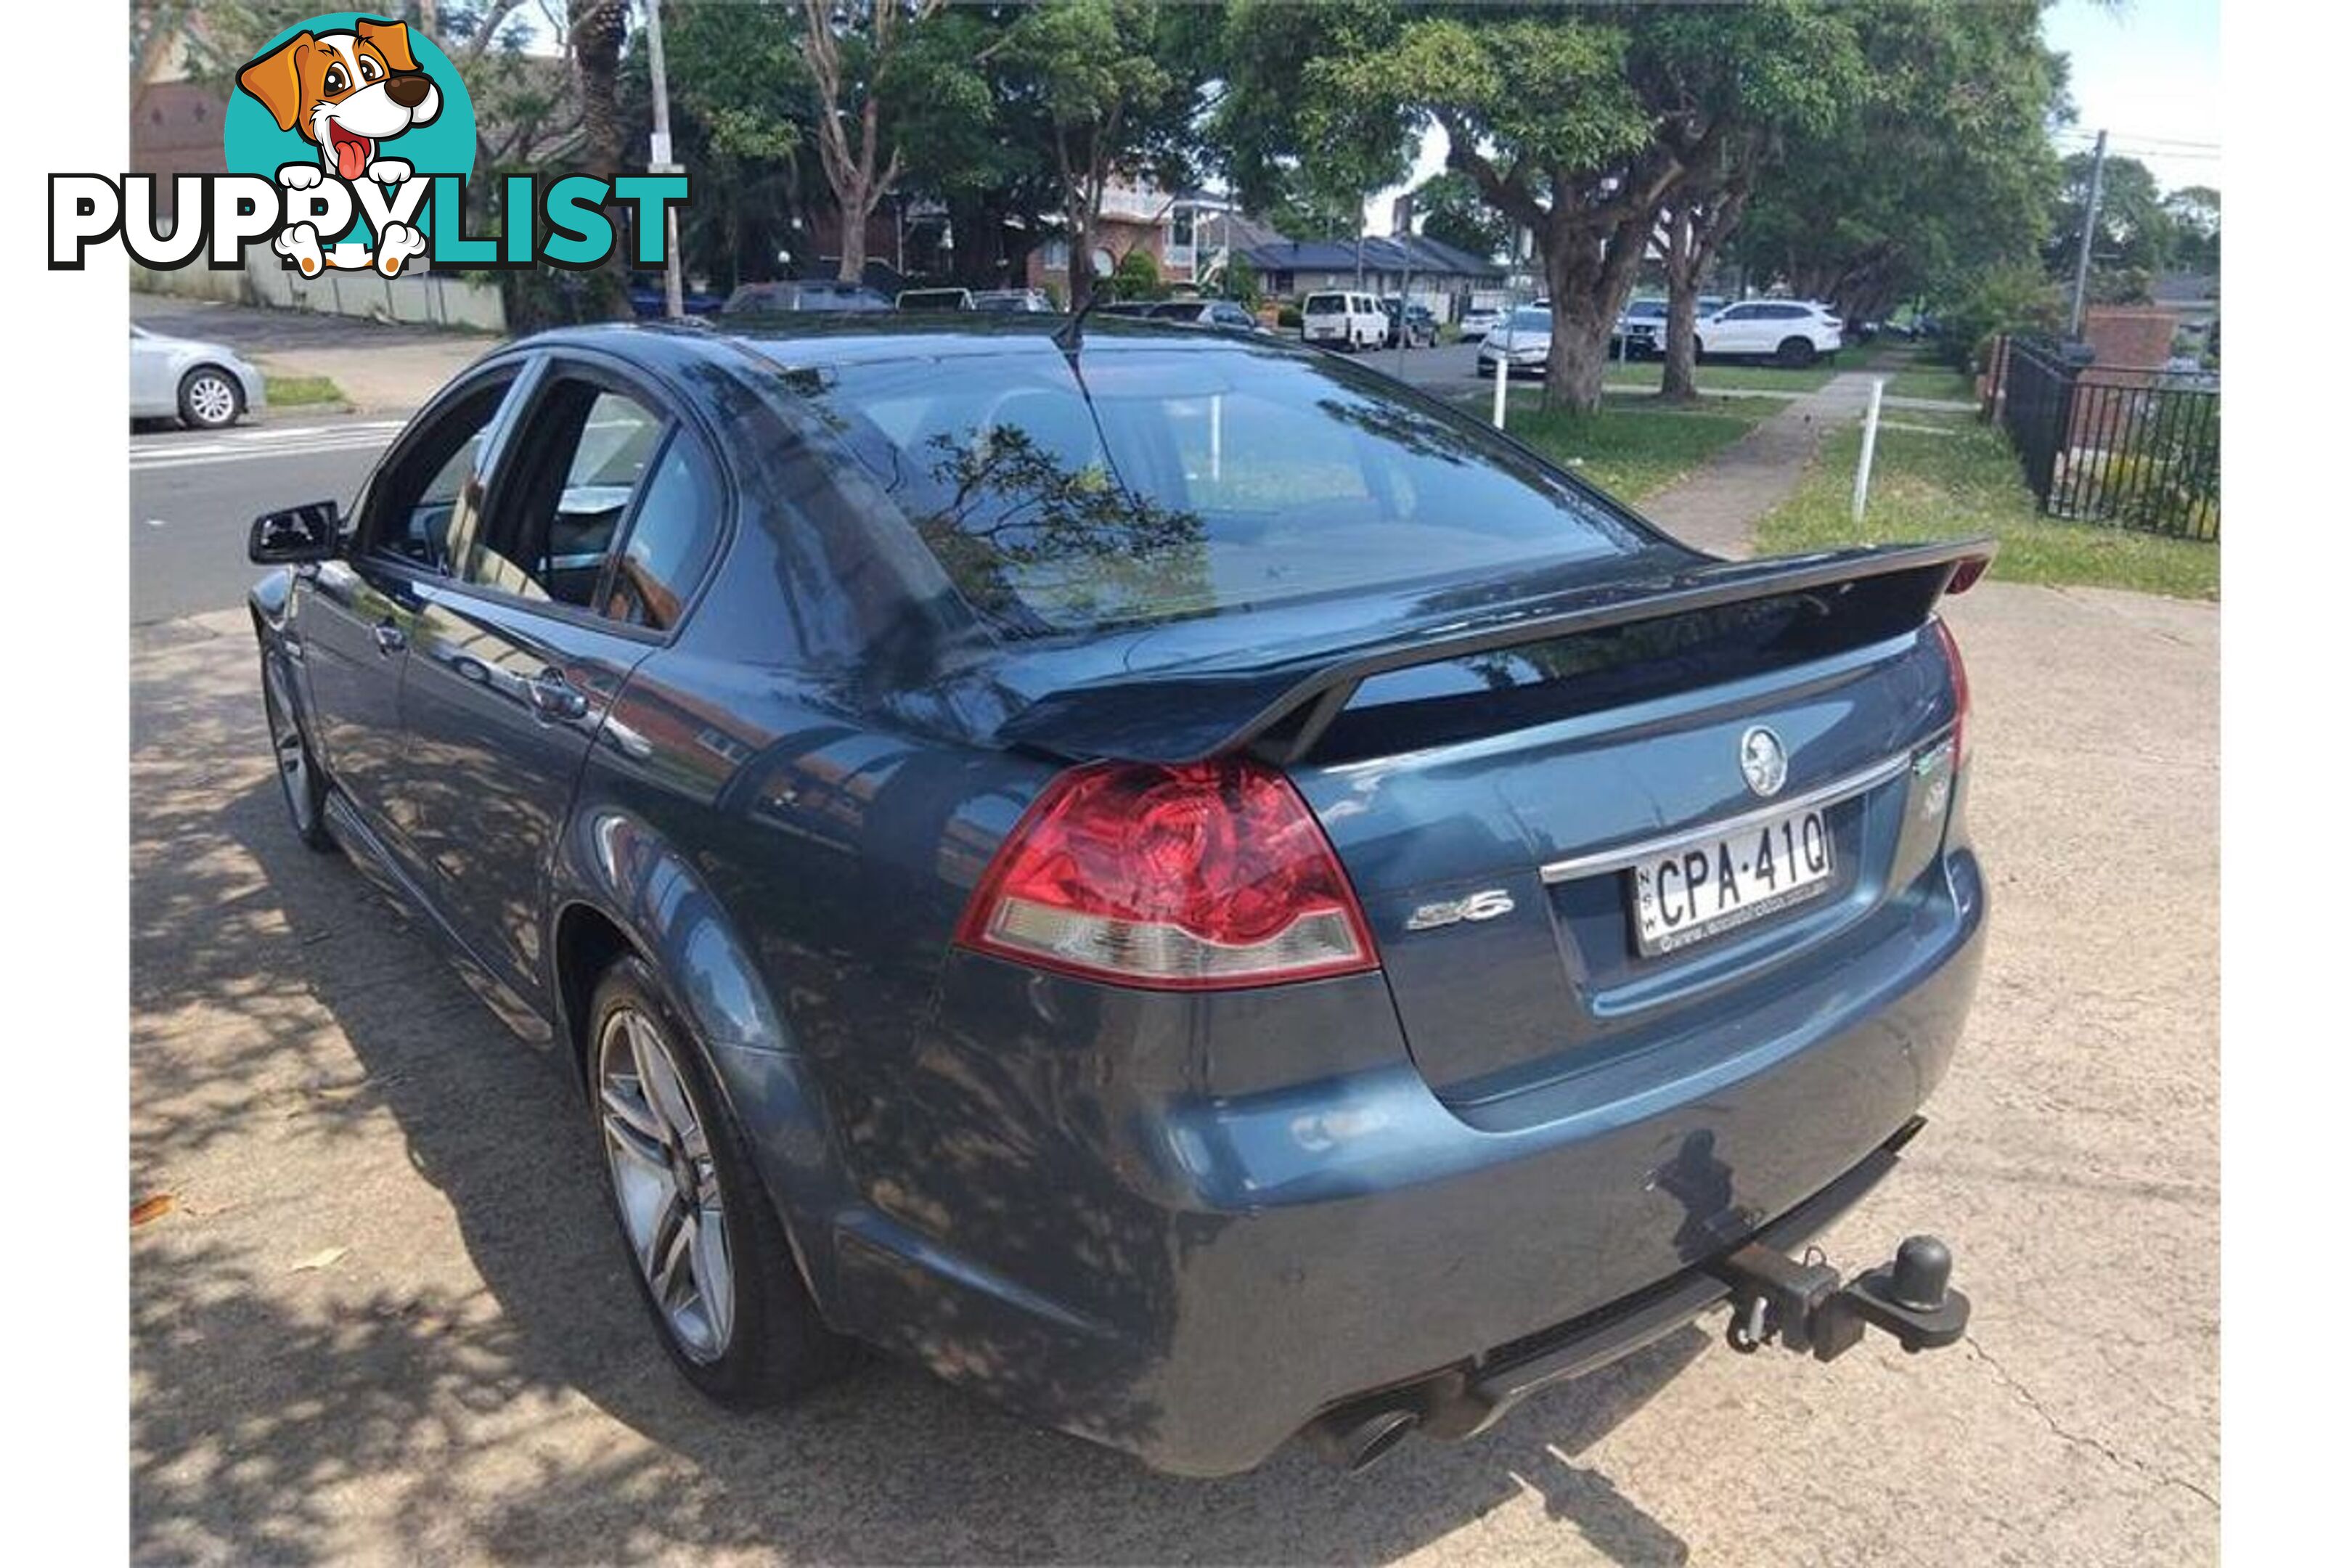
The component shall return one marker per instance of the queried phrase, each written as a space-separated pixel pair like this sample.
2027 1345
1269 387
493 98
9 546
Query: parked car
1792 333
1475 324
1641 330
1018 301
1135 309
934 300
1523 342
1415 323
1057 858
1343 319
804 294
206 387
650 297
1206 313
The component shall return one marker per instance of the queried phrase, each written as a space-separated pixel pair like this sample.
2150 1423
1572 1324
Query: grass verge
295 391
1646 374
1633 451
1932 380
1941 486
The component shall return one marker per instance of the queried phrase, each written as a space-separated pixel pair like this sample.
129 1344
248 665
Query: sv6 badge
1480 906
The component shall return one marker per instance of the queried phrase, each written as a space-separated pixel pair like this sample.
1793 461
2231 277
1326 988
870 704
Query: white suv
1791 332
1347 318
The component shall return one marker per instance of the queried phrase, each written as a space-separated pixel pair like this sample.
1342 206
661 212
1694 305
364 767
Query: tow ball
1806 1306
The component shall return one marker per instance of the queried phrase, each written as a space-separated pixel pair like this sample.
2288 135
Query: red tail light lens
1197 877
1959 691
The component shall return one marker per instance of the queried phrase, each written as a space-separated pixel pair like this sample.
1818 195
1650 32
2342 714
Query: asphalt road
193 497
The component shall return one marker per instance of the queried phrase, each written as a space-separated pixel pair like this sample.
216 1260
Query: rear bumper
1193 1277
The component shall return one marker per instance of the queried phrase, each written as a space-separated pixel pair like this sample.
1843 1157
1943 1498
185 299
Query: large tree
1115 95
1580 125
849 47
1935 169
2195 212
2132 239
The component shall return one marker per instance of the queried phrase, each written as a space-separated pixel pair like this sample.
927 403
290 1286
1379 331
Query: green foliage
1967 480
1137 276
2134 233
1241 282
1935 166
1288 316
2016 297
1452 212
2194 213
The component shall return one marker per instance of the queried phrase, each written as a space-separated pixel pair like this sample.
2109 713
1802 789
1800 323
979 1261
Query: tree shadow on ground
511 1402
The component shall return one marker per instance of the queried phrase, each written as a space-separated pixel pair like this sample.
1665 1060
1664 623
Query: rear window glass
1327 305
1178 484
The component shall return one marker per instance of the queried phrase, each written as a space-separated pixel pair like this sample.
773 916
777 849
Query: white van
1345 319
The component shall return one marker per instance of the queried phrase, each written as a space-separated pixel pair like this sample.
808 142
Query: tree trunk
1590 274
597 29
1679 384
1701 224
1582 320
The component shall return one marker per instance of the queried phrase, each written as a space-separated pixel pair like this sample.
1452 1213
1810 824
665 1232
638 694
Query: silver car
1524 341
206 386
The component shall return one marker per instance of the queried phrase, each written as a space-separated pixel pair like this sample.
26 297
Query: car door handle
389 638
552 697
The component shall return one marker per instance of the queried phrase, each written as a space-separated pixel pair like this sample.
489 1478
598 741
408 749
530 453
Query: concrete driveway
386 1319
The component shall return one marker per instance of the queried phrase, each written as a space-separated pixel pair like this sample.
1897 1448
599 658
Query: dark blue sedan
1165 876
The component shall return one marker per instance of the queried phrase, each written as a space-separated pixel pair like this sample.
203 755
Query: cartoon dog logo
347 93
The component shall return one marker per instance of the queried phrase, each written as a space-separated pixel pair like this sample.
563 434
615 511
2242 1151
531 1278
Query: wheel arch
624 891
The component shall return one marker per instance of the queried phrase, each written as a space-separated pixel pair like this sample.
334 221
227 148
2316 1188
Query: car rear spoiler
1280 705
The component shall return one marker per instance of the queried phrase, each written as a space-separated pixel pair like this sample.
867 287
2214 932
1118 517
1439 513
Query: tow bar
1806 1306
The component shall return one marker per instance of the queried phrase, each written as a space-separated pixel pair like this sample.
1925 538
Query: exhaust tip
1357 1442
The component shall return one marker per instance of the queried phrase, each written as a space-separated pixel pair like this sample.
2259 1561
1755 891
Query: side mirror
312 531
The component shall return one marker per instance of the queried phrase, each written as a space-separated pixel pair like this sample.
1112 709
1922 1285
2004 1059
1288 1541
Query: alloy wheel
665 1183
212 399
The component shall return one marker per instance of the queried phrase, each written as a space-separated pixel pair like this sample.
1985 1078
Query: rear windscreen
1326 305
1177 484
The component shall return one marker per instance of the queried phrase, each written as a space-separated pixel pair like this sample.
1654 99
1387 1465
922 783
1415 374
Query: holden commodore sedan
1172 880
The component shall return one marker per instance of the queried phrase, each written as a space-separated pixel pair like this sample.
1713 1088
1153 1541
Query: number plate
1713 884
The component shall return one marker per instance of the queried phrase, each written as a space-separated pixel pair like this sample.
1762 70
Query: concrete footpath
1716 508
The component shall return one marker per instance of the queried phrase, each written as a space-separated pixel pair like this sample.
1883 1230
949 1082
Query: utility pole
2089 222
673 280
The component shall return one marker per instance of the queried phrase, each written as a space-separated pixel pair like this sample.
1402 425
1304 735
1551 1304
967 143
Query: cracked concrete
470 1379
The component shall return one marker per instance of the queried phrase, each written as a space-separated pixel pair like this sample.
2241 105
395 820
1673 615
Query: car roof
815 337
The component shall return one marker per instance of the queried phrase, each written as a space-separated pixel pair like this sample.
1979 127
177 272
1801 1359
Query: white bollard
1502 384
1869 446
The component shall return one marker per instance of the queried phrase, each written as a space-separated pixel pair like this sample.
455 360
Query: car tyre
1796 353
300 781
210 399
710 1258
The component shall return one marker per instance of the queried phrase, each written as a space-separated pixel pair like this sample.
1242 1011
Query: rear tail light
1965 574
1197 877
1959 691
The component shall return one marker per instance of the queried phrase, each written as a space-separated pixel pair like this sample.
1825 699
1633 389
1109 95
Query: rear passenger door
601 522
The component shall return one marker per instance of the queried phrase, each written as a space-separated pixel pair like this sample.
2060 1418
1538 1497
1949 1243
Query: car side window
557 515
433 492
670 542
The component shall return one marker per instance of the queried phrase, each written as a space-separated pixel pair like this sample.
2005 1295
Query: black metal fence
2126 449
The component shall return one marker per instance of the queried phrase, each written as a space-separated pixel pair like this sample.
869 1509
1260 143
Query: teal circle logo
350 97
